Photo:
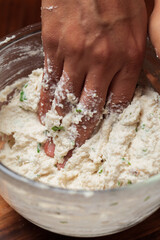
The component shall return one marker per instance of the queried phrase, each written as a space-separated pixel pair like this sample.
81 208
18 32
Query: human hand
92 48
154 34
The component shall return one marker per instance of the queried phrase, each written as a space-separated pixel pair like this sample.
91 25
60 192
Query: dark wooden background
15 14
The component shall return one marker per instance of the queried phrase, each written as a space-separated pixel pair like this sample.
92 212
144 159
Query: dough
125 149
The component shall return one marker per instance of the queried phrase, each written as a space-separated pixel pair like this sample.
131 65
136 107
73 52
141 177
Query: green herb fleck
38 147
26 85
38 175
100 171
123 159
144 150
114 204
64 222
78 110
119 183
22 96
129 182
93 149
58 128
147 198
143 126
136 129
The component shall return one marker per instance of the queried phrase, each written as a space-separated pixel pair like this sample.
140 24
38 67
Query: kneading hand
94 49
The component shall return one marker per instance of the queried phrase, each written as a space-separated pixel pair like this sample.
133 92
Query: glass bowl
69 212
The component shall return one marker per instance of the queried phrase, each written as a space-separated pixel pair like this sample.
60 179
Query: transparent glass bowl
69 212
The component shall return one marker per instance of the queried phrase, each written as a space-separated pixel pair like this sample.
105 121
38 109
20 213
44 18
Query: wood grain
15 14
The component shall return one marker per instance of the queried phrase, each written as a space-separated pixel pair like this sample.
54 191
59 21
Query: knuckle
50 39
101 53
135 55
74 46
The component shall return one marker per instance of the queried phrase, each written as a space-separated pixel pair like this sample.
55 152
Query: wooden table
15 14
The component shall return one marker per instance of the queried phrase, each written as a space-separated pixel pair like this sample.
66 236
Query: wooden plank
15 14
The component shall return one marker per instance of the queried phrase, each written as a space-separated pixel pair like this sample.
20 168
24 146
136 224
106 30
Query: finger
65 88
91 104
92 101
49 148
62 165
155 81
2 143
154 26
52 73
69 87
123 86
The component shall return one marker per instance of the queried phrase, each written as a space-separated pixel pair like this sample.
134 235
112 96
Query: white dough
125 150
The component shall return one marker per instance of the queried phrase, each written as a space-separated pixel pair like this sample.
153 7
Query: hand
154 33
92 48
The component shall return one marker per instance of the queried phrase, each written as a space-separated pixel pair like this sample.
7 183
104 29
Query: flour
125 150
7 39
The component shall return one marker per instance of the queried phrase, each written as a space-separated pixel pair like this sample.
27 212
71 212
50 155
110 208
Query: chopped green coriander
119 183
143 126
114 204
58 128
26 85
78 110
136 129
100 171
38 175
144 150
123 159
22 96
147 198
38 147
129 182
63 222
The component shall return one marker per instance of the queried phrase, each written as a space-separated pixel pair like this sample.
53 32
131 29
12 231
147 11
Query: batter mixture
124 150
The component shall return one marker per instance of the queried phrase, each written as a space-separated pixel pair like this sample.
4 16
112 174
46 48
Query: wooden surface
15 14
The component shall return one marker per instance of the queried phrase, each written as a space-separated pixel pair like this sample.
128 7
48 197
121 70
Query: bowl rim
20 34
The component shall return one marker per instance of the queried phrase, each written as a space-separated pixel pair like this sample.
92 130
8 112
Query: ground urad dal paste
124 150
